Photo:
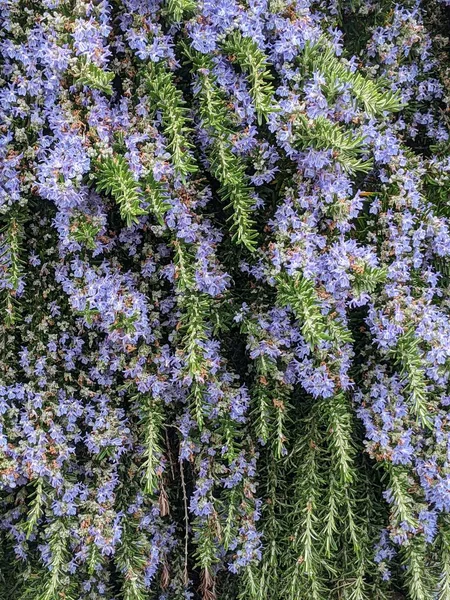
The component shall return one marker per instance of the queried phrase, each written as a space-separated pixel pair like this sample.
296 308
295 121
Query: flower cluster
224 288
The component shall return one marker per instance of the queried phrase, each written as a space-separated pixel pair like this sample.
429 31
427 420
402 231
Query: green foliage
414 553
131 559
418 577
115 177
84 229
300 294
304 574
331 533
437 188
407 353
260 581
270 395
54 583
36 507
225 165
323 134
215 115
343 528
367 278
11 263
402 507
154 195
151 423
90 75
444 544
193 325
169 99
176 10
237 194
372 95
205 552
245 52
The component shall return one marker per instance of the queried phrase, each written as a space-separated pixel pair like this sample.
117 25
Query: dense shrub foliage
225 298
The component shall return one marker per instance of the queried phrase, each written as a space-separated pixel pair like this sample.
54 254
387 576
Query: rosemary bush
225 299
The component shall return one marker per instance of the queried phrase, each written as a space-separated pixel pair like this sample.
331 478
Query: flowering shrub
224 286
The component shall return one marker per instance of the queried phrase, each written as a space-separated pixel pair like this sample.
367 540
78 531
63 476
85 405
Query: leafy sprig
114 177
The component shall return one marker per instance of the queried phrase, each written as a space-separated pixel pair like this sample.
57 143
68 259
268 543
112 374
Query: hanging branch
114 177
374 96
